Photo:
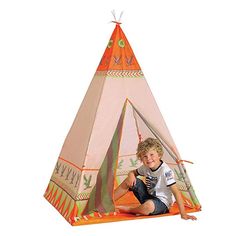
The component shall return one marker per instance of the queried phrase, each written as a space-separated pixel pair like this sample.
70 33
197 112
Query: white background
49 51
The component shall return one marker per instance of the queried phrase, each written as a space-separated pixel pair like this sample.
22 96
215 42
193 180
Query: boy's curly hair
146 145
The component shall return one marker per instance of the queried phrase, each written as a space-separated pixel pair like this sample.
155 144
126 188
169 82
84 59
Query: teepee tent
117 112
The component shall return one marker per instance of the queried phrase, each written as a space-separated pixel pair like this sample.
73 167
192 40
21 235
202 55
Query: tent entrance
121 158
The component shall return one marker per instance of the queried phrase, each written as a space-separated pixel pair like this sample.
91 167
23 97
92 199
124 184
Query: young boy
156 195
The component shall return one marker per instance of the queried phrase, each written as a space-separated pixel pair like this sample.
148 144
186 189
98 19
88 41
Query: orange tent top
118 54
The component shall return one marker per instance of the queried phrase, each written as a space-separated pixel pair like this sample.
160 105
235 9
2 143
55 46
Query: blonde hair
146 145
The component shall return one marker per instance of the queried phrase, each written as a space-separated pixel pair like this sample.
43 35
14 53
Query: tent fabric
117 112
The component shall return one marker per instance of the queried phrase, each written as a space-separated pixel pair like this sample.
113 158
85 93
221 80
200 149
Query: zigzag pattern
83 196
122 172
121 73
182 187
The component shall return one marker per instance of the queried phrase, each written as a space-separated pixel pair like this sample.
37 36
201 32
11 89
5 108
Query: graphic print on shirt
151 183
169 177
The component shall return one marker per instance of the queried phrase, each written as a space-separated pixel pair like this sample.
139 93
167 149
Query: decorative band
121 73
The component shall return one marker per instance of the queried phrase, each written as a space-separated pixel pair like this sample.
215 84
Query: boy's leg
149 205
141 193
144 209
122 189
139 190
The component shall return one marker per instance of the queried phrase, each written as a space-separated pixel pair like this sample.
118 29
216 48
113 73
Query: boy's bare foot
123 209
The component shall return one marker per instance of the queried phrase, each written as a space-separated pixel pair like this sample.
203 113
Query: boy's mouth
149 162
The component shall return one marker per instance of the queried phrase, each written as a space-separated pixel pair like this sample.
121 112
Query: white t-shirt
158 182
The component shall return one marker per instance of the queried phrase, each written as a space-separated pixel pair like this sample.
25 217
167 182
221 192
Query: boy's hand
131 180
187 217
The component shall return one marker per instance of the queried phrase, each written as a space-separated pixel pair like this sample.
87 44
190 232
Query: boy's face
151 159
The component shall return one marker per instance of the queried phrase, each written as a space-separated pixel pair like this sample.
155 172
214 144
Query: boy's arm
180 203
131 180
133 173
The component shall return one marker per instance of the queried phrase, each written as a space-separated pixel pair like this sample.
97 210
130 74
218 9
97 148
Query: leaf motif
120 164
179 175
87 182
134 162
